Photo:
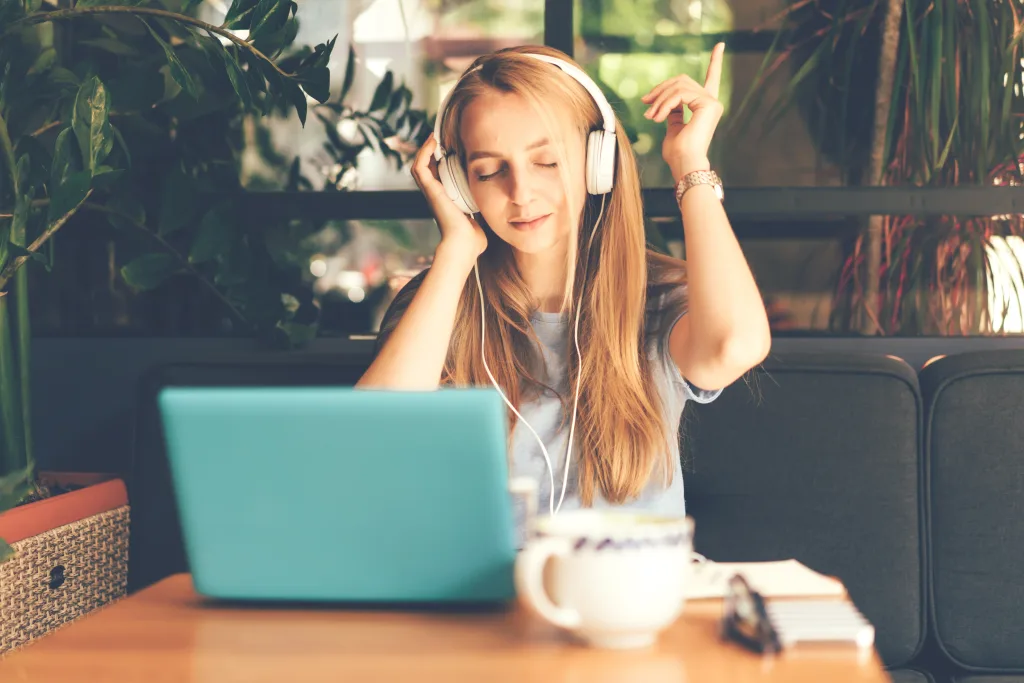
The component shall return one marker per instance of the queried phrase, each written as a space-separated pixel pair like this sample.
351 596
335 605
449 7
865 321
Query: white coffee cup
613 578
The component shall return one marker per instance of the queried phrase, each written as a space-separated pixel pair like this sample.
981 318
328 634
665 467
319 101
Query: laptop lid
342 494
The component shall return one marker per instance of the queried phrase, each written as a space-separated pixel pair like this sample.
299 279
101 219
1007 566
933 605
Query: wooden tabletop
167 633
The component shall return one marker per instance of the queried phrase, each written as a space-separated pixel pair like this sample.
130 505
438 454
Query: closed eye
485 178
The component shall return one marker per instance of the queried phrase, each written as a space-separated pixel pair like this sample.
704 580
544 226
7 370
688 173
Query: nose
519 190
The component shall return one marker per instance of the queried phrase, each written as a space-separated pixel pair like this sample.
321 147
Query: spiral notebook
780 579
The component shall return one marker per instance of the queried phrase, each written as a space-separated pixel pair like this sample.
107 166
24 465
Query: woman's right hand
459 232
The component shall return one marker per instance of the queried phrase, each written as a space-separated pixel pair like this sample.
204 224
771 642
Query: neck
544 275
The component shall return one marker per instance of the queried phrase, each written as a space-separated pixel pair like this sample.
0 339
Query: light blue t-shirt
544 413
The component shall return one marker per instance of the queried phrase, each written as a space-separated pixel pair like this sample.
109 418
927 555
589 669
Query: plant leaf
268 18
16 251
216 230
149 270
64 162
10 11
115 47
13 240
240 14
39 166
124 3
46 59
22 172
235 75
15 486
68 195
317 83
105 177
179 73
296 96
89 119
350 73
383 92
6 551
122 144
59 77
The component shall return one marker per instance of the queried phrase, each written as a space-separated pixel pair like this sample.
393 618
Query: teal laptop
339 494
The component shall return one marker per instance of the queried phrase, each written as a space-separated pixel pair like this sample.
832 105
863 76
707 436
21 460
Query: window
423 44
631 46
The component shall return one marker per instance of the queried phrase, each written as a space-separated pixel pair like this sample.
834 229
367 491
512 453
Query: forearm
413 356
725 308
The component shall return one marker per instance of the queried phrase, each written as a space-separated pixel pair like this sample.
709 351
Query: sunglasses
745 619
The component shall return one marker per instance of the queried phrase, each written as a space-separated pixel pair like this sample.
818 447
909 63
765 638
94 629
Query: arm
413 355
726 331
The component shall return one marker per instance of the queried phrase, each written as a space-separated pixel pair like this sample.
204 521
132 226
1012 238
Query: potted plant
912 93
80 82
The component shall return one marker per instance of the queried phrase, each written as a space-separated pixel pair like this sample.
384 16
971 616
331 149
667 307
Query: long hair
621 440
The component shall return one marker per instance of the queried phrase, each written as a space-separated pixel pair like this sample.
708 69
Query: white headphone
600 177
600 144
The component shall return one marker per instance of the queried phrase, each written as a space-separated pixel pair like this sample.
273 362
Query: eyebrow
482 154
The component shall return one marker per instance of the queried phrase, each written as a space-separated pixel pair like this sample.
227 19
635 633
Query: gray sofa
908 484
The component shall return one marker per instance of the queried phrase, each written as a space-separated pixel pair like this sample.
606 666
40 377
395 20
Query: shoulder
398 305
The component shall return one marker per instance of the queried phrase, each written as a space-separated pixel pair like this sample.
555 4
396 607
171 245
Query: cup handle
529 577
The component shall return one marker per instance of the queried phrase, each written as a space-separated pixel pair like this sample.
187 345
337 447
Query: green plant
87 93
954 119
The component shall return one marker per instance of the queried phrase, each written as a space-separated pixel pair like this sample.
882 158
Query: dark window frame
756 212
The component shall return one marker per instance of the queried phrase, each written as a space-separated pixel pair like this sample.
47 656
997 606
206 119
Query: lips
526 225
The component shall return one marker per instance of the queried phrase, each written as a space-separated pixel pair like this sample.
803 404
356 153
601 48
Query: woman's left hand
685 148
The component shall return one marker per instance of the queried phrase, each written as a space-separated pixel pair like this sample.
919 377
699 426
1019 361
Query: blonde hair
621 438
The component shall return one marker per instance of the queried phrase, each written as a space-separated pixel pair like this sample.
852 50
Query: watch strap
699 178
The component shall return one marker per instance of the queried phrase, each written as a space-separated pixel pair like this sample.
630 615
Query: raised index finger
714 76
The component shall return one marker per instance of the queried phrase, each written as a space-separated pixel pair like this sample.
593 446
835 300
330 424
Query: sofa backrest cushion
817 457
974 450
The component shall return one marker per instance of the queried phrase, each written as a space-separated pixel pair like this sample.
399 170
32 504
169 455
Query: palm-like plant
954 119
66 96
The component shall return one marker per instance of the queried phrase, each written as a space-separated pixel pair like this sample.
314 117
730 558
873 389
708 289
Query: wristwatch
700 178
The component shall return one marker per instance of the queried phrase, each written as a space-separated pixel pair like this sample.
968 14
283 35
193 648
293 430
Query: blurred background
329 211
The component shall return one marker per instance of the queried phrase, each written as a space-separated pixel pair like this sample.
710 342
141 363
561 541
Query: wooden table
167 633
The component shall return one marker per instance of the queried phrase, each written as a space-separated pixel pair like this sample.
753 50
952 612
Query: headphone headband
575 73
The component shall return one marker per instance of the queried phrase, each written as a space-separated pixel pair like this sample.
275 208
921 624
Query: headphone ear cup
600 162
455 186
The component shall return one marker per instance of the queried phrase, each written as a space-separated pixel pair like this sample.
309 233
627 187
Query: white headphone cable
579 355
483 357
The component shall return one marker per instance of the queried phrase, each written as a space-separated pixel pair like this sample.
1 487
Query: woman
533 247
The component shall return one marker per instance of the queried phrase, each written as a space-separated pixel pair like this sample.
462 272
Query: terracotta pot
71 556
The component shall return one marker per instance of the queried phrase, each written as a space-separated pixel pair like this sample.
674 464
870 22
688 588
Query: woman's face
513 174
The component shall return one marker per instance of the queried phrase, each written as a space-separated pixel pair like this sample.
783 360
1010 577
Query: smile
525 226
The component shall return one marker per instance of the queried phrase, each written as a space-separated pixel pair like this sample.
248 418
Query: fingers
713 79
665 86
682 94
424 166
657 90
425 153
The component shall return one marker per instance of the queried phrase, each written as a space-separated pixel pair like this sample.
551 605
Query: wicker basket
62 574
